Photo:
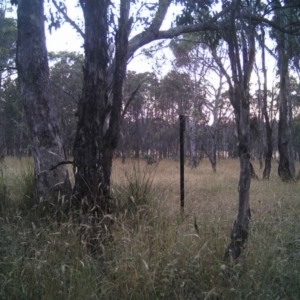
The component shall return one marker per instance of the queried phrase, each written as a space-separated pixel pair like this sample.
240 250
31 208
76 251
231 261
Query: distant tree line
150 125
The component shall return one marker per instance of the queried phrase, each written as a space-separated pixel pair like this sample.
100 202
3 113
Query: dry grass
157 253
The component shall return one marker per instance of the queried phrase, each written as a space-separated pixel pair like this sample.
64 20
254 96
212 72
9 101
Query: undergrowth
156 252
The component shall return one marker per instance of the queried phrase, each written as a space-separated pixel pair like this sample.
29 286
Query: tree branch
131 97
63 11
152 33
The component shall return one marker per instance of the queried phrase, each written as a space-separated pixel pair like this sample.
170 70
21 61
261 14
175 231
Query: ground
156 252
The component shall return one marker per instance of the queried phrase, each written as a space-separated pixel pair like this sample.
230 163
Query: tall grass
157 253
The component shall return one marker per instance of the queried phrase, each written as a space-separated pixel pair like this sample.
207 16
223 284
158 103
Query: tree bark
92 157
214 127
192 135
239 232
286 167
99 116
39 104
2 142
213 157
269 139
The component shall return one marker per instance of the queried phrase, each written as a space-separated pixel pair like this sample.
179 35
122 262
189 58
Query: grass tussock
156 253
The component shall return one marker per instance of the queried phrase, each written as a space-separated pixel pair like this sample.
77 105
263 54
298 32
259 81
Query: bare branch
67 18
131 97
152 33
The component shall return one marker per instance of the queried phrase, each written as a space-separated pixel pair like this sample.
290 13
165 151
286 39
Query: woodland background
89 152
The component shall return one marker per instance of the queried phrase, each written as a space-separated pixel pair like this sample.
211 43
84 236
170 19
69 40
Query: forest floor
156 252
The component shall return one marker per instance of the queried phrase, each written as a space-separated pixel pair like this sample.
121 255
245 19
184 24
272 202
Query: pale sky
66 39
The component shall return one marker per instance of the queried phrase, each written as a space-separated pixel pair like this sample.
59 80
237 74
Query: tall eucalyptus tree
39 104
286 16
286 168
240 40
263 95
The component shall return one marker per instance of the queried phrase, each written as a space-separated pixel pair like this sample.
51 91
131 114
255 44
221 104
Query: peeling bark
39 104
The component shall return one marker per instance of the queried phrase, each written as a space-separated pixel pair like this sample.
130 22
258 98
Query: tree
240 40
133 114
99 109
190 58
263 96
8 32
40 108
285 14
216 106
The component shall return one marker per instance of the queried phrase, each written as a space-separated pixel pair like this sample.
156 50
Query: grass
156 252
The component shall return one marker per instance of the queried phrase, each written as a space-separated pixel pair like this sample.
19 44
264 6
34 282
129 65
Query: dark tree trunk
192 143
39 104
269 139
2 143
99 114
92 155
239 232
214 153
269 151
286 167
92 158
137 150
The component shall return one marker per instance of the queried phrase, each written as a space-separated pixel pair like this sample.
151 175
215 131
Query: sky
66 39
